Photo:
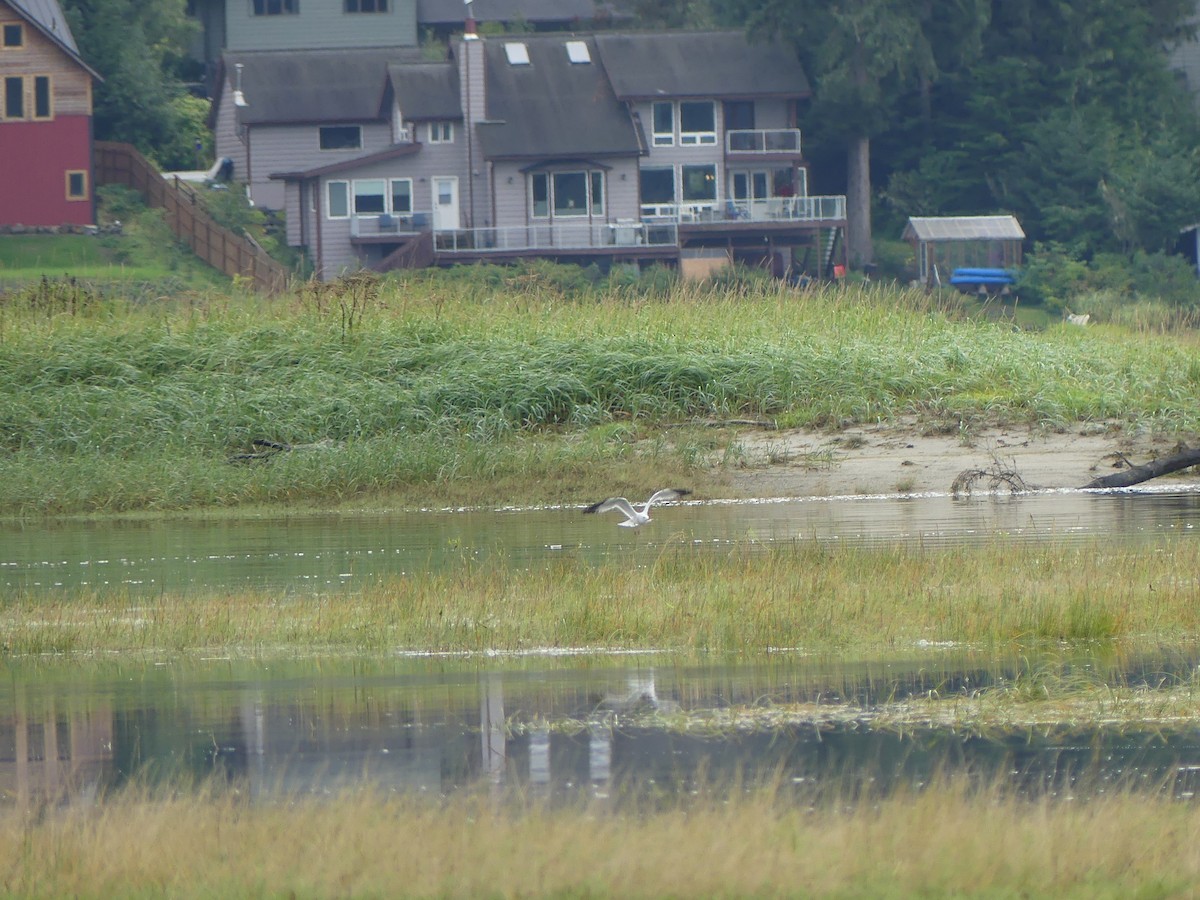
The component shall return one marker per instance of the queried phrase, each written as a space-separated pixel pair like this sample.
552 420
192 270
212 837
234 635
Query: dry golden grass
944 841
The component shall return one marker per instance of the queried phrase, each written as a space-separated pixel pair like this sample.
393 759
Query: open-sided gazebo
942 244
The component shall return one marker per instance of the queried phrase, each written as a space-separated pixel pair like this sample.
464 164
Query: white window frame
441 132
391 196
684 199
694 138
282 8
359 188
345 202
593 179
662 138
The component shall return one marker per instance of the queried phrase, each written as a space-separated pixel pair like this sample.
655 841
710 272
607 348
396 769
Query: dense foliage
1066 115
140 49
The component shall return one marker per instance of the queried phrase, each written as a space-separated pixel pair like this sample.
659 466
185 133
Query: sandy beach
902 458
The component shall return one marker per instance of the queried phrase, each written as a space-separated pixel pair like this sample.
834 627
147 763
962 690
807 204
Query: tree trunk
858 203
1138 474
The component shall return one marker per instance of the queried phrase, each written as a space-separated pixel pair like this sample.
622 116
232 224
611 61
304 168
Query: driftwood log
1184 459
271 449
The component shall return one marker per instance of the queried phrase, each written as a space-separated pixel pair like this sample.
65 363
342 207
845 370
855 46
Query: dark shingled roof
346 165
426 90
700 64
47 17
287 86
552 108
453 12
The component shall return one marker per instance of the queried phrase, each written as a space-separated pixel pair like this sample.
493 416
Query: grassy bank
460 392
946 841
806 598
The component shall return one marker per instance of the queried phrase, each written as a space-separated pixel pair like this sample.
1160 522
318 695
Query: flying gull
636 515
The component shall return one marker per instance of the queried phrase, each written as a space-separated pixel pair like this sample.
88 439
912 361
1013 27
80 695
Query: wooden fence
223 249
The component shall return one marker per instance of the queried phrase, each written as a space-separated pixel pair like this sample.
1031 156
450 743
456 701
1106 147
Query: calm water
558 726
323 553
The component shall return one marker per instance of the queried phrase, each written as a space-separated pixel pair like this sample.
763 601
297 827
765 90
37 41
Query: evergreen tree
858 54
139 48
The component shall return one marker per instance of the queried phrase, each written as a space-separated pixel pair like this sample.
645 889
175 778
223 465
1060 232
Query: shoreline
903 458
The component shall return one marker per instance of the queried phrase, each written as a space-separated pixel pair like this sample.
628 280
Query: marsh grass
951 838
431 386
807 596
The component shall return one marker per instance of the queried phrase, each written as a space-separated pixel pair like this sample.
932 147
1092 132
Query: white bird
635 516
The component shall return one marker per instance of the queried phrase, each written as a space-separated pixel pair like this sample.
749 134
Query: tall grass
948 840
197 381
807 597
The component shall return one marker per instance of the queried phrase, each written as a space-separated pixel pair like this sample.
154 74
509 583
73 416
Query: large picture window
566 194
699 183
570 194
697 123
341 137
658 186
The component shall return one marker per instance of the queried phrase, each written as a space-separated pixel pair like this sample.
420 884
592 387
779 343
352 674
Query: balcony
556 238
382 225
768 210
763 141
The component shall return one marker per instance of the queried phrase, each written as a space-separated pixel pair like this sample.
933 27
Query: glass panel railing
763 140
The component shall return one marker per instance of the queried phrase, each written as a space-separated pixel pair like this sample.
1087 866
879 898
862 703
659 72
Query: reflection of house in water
50 756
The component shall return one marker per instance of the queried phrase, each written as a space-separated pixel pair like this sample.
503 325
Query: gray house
611 147
241 25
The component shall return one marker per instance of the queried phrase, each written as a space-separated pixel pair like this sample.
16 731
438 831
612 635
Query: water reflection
548 730
322 553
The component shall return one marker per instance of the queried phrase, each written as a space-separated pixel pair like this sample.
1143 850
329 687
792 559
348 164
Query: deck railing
772 209
582 236
763 140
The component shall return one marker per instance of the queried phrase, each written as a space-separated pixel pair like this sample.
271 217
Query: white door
445 203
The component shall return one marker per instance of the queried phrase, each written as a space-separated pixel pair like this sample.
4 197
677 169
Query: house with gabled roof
607 147
45 119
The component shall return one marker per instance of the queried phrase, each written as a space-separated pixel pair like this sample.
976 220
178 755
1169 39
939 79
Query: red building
45 119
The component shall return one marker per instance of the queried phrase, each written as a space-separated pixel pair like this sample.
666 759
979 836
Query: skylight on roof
517 53
577 52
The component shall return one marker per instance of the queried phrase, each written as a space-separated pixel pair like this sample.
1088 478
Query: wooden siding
511 200
332 251
33 178
70 84
320 24
275 149
772 113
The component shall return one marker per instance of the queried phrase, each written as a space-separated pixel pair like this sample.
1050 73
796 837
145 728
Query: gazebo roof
963 228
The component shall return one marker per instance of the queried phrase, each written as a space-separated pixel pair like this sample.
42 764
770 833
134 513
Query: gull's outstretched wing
613 503
666 494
